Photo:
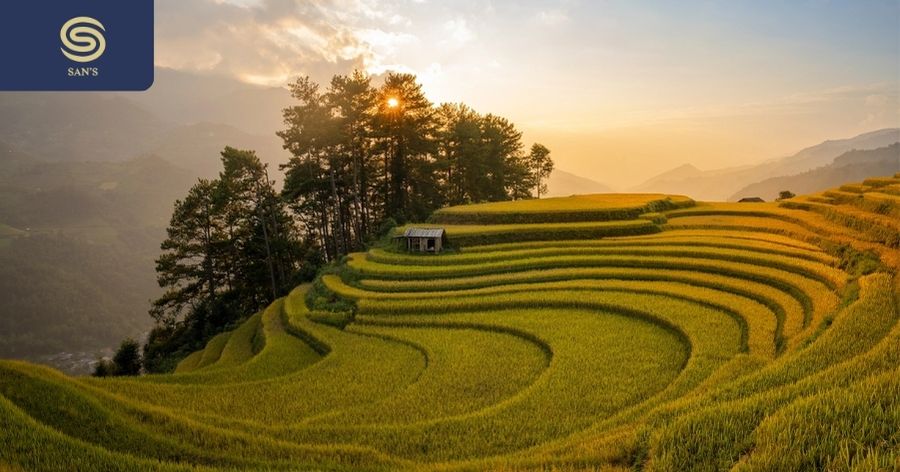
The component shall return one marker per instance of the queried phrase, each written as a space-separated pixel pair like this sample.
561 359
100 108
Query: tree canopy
231 248
364 154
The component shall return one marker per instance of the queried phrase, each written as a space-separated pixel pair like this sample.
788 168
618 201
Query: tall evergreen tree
261 237
231 249
314 173
353 101
193 265
407 121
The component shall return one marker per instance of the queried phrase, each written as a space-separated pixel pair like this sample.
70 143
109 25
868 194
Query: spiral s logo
82 39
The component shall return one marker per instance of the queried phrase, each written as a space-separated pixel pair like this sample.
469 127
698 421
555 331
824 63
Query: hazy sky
619 90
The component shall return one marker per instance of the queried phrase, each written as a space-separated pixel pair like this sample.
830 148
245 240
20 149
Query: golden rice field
560 334
601 207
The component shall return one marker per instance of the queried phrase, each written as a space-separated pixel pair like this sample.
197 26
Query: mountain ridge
854 165
563 184
719 184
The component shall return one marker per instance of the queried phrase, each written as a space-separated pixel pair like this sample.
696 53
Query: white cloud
385 42
266 41
458 32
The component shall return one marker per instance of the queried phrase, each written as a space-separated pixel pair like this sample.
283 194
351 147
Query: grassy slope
727 338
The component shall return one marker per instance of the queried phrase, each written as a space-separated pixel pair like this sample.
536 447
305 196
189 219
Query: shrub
103 368
127 360
785 195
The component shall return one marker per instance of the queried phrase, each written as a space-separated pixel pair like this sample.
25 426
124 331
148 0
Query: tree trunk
339 220
262 221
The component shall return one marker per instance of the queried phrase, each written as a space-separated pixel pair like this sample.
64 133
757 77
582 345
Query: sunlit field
601 332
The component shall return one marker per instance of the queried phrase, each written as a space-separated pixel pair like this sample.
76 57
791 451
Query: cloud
458 32
270 41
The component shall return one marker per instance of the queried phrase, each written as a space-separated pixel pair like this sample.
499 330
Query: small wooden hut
423 239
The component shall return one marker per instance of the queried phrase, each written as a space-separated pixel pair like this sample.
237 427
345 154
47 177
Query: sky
618 90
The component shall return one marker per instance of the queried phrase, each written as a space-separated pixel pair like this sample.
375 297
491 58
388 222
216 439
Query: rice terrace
601 332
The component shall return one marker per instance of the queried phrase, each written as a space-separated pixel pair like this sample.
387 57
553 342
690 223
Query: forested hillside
77 258
99 294
90 181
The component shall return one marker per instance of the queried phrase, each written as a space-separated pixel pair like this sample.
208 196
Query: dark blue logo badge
61 45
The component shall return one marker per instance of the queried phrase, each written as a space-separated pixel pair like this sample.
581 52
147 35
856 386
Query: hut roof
751 200
424 233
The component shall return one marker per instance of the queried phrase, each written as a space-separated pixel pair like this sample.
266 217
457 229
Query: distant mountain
721 183
65 196
823 154
197 147
563 184
91 127
852 166
77 127
701 185
77 248
182 98
87 185
682 172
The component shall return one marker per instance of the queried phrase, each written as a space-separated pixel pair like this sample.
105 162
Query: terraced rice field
872 208
603 207
716 336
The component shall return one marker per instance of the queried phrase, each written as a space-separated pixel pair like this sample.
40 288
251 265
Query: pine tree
231 249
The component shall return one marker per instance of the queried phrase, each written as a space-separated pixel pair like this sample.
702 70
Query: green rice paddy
561 334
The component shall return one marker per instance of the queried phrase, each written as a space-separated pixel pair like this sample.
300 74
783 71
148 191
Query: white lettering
83 72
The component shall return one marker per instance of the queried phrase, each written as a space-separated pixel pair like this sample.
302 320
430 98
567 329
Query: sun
393 102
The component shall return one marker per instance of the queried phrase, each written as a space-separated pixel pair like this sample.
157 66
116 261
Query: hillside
68 127
719 184
91 179
77 253
851 165
600 332
196 147
184 99
98 294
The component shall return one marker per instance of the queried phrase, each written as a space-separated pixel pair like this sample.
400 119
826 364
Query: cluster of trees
366 156
364 159
126 362
785 195
231 248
